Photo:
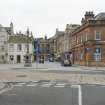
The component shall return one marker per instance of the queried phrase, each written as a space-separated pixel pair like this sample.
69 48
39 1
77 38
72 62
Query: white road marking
79 93
6 89
22 83
35 81
46 85
18 84
59 86
32 85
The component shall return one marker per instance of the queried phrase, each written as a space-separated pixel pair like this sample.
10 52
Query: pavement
50 66
17 72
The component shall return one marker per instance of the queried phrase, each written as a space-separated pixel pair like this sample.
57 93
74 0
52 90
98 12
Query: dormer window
97 35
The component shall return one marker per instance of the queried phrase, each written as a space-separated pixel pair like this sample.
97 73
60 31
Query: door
18 59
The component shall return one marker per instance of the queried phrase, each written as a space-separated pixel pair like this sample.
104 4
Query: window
97 35
86 36
97 54
11 47
26 47
2 48
81 39
77 40
19 47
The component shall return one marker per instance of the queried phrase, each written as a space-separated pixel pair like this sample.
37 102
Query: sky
44 16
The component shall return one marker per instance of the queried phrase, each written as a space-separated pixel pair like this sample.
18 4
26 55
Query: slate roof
100 16
19 39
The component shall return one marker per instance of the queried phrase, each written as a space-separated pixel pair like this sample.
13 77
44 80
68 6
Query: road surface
52 93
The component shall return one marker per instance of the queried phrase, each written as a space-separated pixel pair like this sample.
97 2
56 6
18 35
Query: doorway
18 59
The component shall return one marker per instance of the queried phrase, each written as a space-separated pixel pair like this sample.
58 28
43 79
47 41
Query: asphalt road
93 95
90 72
44 93
30 95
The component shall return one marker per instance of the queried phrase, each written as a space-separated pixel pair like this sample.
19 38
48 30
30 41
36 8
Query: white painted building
5 32
17 48
3 44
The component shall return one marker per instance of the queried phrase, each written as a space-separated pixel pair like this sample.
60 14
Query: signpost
36 51
28 55
87 55
97 56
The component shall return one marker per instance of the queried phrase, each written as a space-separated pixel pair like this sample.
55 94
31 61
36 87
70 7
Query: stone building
10 30
67 41
59 35
17 48
88 41
52 46
3 44
5 32
43 46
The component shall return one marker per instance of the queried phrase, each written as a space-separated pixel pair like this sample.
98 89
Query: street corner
2 85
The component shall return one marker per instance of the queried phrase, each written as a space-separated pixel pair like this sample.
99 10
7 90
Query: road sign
88 49
97 50
36 46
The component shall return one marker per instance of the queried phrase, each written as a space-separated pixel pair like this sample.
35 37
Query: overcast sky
44 16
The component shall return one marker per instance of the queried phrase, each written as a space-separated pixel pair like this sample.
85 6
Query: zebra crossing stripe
32 85
18 85
35 81
60 85
46 85
22 83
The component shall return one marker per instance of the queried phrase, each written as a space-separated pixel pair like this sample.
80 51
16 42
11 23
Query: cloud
43 16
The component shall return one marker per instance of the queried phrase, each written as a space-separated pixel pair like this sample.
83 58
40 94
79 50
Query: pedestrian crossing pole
37 56
36 48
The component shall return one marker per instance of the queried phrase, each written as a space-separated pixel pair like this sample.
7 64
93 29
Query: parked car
66 59
66 62
41 59
51 59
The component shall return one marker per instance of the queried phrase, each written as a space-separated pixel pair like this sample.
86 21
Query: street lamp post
28 56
